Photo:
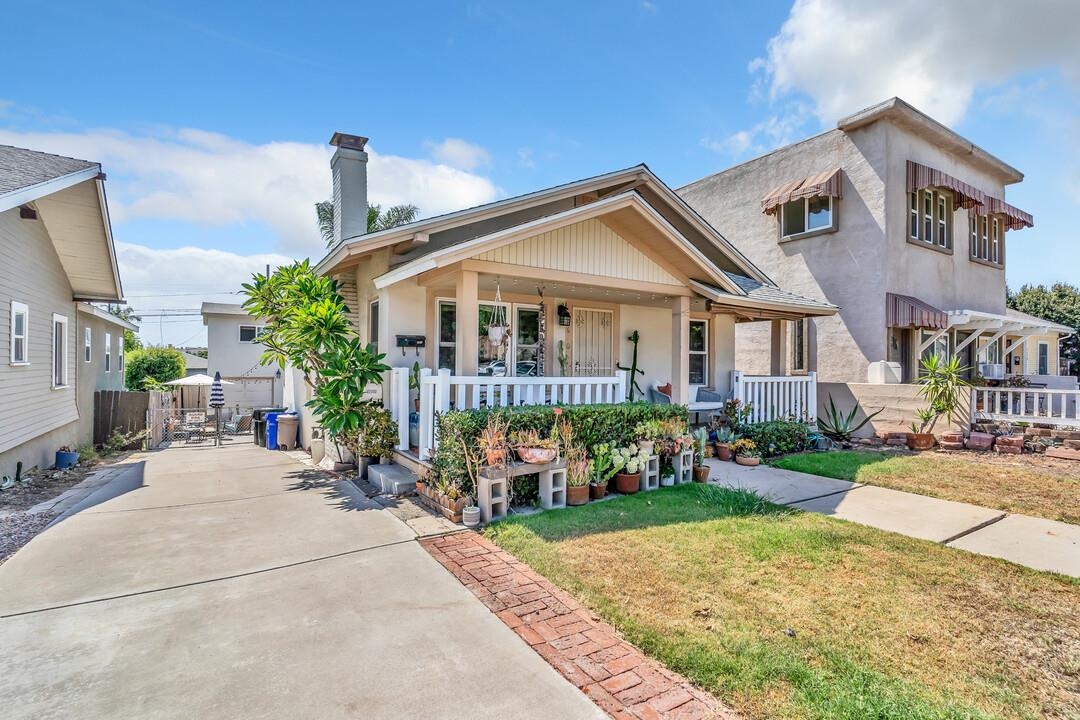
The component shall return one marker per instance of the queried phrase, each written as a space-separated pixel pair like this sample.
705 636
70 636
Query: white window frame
88 344
800 357
439 343
373 318
120 356
20 308
914 214
932 211
108 352
258 331
704 353
995 240
806 218
512 360
64 378
1038 357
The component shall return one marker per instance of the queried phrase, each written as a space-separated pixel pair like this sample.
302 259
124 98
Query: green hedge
593 424
776 437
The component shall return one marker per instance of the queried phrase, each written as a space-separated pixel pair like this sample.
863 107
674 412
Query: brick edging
588 652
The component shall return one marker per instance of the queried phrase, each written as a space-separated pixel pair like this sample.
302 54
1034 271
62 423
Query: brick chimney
349 170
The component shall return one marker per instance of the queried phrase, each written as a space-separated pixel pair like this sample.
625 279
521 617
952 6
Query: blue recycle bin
271 430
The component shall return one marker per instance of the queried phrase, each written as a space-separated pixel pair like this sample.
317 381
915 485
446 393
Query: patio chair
655 396
240 424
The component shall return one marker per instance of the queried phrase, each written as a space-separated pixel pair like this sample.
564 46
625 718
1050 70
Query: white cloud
213 180
850 54
774 131
459 153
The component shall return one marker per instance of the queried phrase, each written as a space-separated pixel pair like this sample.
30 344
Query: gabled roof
26 175
535 205
758 295
107 316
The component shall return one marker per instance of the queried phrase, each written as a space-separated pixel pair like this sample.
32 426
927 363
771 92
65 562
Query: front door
593 342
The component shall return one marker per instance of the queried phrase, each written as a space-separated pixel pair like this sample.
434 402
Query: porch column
680 345
722 352
468 322
779 352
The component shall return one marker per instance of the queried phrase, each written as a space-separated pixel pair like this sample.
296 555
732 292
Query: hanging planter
499 328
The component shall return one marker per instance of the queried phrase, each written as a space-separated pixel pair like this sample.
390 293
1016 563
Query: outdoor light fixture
564 316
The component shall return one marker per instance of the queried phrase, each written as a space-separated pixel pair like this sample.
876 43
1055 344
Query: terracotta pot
537 456
495 457
748 461
701 473
597 492
416 404
723 452
577 494
920 441
627 484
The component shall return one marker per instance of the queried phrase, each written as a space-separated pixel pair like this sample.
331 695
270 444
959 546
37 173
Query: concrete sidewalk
1034 542
231 582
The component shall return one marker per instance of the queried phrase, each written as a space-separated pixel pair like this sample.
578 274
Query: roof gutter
820 310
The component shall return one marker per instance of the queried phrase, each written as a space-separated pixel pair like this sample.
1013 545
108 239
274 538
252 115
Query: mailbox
411 341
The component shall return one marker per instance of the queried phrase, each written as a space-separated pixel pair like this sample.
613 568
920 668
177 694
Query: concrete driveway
233 582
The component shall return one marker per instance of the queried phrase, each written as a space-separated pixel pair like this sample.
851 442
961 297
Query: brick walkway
586 651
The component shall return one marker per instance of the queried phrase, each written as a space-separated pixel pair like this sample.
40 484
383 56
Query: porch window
699 352
59 346
20 319
526 340
930 217
807 215
798 346
447 349
491 358
939 347
993 352
1044 358
373 325
108 352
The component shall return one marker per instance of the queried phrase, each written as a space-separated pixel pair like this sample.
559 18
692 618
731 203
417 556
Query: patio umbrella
217 401
197 380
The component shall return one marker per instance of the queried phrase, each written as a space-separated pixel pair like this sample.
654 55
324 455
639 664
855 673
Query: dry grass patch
881 626
1026 484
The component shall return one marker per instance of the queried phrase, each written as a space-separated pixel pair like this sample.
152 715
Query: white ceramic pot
496 333
667 481
470 515
318 450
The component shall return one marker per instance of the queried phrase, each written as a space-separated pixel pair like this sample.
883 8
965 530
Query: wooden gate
119 410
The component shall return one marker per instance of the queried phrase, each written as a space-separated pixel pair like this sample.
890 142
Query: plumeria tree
307 328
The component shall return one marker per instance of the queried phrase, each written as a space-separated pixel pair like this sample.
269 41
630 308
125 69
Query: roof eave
818 310
23 195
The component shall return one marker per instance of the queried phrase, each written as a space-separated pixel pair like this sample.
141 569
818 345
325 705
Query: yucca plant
839 426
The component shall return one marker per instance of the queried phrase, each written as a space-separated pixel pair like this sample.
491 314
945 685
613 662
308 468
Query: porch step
392 479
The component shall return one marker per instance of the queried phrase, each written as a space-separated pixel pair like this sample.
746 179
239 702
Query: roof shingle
21 168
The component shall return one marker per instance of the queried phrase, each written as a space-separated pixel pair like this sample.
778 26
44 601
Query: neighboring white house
194 364
573 270
56 257
232 350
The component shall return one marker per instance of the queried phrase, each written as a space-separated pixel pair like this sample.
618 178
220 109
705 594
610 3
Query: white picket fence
1054 407
777 397
441 391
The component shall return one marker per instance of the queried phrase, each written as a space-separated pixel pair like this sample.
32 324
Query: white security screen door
593 342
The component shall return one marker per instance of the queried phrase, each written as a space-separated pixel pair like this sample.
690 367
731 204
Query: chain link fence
168 426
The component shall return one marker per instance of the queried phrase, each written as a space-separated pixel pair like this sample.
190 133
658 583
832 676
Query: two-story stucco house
56 257
231 349
901 223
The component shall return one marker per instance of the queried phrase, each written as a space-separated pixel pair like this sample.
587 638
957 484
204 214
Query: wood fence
119 410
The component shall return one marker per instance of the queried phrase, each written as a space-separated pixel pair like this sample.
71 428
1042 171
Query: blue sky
212 121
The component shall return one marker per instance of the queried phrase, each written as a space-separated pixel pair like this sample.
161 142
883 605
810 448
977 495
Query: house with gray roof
56 259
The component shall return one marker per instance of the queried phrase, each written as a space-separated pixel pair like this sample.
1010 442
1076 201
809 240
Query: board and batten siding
588 247
31 273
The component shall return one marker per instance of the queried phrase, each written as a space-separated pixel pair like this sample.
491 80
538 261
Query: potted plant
701 470
470 513
605 464
648 433
66 457
493 440
531 448
941 383
376 437
724 437
920 437
632 459
578 475
746 452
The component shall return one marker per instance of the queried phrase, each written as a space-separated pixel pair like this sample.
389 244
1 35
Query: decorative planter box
437 501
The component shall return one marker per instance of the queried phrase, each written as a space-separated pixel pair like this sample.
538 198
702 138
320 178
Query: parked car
524 368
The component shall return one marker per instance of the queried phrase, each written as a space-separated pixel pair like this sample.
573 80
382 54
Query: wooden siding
347 287
589 247
30 272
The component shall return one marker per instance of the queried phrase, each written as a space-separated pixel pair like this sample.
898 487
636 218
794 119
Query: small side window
88 338
20 333
108 352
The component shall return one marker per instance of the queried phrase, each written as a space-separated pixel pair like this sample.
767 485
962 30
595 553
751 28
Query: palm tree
376 218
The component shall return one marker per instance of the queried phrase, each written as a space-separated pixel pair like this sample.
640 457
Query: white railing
1054 407
777 397
442 391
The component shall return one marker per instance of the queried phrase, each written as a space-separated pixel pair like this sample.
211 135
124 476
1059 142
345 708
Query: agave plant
840 427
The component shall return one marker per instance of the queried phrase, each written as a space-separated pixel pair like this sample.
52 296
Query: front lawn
1025 484
784 614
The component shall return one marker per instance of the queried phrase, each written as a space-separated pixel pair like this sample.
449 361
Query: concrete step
392 479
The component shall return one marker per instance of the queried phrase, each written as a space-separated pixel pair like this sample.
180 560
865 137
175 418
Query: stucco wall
238 362
843 267
900 403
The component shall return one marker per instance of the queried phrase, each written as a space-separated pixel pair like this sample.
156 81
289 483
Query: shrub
151 366
593 424
777 437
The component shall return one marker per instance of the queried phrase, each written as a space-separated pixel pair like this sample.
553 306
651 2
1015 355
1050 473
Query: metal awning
920 177
1015 218
908 311
825 184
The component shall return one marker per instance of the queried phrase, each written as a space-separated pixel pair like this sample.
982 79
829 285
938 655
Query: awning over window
1015 218
921 176
907 311
826 184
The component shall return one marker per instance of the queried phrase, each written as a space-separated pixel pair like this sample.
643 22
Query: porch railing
441 391
777 397
1054 407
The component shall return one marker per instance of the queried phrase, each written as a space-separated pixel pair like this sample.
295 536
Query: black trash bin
258 424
